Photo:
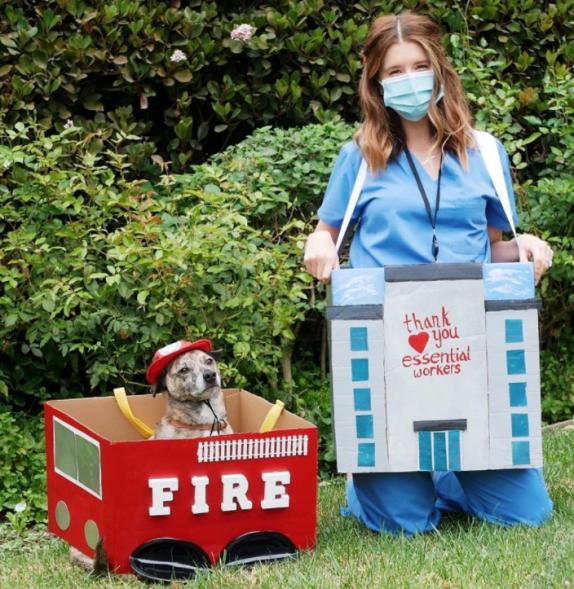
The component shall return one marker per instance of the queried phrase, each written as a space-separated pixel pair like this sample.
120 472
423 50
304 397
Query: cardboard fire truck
435 367
163 508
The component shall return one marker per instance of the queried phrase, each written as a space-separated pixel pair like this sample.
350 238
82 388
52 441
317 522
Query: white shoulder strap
356 192
489 151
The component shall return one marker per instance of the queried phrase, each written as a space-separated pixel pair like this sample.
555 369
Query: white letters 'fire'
234 492
235 489
275 495
200 504
161 492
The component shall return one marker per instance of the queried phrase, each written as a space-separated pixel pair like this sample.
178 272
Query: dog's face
193 376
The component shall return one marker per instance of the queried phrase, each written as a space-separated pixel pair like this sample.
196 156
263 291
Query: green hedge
98 270
22 469
109 66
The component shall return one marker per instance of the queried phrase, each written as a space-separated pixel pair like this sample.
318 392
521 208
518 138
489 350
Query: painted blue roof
366 286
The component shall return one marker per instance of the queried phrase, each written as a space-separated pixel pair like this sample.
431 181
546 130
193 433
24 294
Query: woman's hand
320 253
534 249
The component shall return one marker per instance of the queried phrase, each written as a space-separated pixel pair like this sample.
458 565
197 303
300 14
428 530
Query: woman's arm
320 254
502 251
530 248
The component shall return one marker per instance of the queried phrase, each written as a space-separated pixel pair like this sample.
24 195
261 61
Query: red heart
419 341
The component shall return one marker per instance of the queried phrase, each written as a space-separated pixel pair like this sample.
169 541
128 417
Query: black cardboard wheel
168 559
257 548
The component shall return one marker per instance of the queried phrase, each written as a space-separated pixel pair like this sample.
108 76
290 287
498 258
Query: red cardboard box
244 497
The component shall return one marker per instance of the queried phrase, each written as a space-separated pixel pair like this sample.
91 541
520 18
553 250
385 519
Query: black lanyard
432 218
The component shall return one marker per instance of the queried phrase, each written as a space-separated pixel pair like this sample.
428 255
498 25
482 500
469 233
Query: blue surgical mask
410 94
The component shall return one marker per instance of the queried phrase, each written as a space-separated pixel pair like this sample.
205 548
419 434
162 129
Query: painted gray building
435 367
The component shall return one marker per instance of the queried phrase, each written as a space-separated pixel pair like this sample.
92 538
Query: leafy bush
114 67
173 74
99 270
312 400
549 210
22 469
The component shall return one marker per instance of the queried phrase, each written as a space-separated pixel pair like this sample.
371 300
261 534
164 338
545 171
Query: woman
427 197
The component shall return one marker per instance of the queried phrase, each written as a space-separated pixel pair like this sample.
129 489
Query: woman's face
403 58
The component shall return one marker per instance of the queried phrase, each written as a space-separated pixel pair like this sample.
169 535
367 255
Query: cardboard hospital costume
435 367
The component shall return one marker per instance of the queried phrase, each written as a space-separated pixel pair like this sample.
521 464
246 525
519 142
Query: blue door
439 450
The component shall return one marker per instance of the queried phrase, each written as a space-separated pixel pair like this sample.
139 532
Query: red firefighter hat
168 353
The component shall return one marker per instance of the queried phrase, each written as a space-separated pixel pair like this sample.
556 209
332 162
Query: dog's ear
215 354
159 385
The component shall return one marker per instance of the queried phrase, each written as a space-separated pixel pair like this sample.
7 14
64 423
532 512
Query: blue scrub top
394 227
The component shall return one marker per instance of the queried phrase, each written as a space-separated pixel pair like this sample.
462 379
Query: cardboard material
106 482
443 353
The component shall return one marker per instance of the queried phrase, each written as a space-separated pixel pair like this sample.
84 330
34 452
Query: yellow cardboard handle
122 401
272 417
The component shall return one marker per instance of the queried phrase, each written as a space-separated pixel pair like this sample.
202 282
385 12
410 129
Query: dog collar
217 425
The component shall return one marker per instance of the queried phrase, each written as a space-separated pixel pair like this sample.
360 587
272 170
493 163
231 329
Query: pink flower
243 32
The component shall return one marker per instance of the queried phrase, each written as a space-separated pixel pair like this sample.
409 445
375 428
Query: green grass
463 553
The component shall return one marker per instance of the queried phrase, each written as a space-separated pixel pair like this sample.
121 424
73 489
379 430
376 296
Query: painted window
516 365
520 453
362 399
359 369
515 362
77 457
359 339
513 331
367 454
519 423
364 425
517 392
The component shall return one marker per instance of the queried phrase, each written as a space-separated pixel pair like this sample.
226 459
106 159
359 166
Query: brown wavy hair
381 135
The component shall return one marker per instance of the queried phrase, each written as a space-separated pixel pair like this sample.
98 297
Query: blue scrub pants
411 502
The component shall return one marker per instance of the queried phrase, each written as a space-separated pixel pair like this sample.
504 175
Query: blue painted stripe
439 451
366 455
454 450
520 453
425 452
359 369
519 425
515 362
359 339
364 425
513 331
517 392
362 399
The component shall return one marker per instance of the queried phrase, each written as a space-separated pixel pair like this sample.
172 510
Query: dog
194 401
187 373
